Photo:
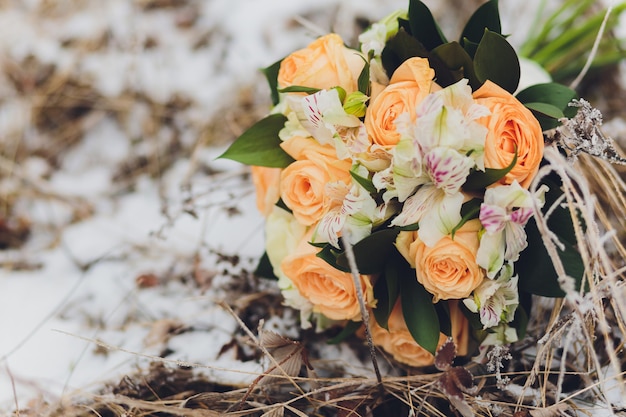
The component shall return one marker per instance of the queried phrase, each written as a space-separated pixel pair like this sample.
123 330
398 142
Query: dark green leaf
348 330
520 321
469 47
545 109
423 25
443 313
386 290
260 145
469 210
497 61
536 271
367 184
364 79
486 16
477 180
410 228
554 94
457 60
281 204
330 255
400 48
264 268
271 73
372 252
299 89
419 312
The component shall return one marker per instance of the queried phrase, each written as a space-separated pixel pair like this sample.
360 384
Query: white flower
503 214
283 233
375 37
501 335
352 207
495 300
322 116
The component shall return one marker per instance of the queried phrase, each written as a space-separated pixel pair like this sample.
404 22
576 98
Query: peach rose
398 341
303 182
409 85
324 64
447 270
510 125
266 182
330 291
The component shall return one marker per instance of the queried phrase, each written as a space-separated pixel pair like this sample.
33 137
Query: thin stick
594 50
359 293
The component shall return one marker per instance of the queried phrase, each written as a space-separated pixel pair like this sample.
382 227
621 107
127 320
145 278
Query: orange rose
398 342
324 64
447 270
331 291
510 125
409 85
266 182
303 182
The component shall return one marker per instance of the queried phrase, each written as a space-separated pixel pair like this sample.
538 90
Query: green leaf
536 271
372 252
264 268
554 94
423 25
497 61
299 89
348 330
260 145
469 210
478 180
520 321
367 184
364 79
386 290
400 48
419 312
458 61
545 109
486 16
330 255
271 73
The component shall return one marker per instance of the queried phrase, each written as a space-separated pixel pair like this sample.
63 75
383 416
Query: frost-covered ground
133 222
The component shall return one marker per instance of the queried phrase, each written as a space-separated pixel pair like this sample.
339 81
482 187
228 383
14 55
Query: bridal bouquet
421 154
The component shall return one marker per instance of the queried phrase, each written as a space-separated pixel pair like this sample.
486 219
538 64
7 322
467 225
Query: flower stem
345 238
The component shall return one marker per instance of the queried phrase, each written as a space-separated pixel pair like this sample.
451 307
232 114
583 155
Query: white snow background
85 289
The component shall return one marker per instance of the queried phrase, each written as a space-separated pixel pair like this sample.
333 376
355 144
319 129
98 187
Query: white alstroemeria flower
407 169
495 300
323 117
436 212
292 127
436 206
352 208
375 37
447 118
503 214
283 233
501 335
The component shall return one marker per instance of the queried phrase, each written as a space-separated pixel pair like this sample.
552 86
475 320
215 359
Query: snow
85 292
